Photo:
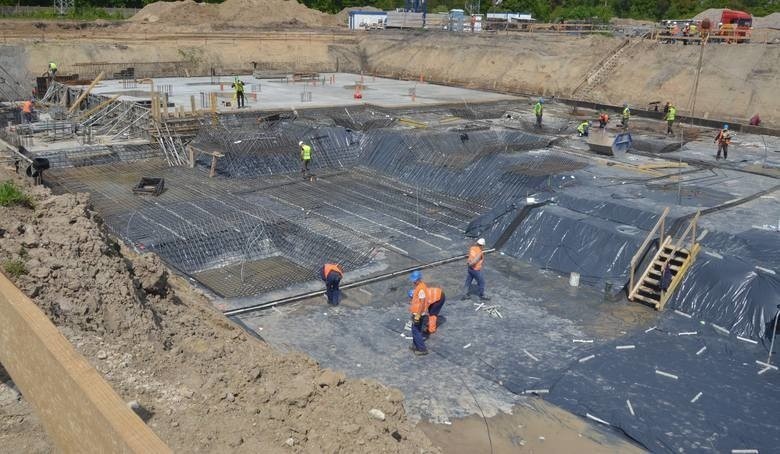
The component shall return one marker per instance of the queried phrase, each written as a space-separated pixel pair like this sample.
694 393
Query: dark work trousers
332 288
305 166
418 341
669 124
538 121
240 99
475 274
725 148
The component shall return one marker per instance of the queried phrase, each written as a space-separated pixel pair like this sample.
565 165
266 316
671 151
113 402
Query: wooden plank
98 107
86 92
78 409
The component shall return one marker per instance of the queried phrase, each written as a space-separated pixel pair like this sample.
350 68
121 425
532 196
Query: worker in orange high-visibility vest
418 306
475 261
435 297
332 274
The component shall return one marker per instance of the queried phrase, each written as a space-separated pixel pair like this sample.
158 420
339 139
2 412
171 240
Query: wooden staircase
680 254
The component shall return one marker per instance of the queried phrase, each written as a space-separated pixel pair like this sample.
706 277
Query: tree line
545 11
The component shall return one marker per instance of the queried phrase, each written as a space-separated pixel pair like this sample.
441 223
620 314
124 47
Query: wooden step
651 292
649 280
647 300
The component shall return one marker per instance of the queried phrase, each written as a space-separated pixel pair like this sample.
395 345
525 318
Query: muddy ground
205 385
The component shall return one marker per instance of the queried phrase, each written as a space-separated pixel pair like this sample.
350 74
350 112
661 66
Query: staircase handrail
640 251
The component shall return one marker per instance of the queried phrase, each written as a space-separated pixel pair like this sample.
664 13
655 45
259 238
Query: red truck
734 26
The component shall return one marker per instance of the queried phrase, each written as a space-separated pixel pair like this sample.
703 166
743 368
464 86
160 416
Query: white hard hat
300 143
481 241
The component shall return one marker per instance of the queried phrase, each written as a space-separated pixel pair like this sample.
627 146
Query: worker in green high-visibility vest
670 116
539 111
305 157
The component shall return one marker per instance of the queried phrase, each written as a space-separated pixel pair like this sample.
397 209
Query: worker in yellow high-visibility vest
305 157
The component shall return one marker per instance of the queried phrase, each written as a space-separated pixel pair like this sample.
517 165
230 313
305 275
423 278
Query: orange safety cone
358 94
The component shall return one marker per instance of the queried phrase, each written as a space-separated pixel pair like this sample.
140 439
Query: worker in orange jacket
27 111
435 297
723 139
332 274
475 261
418 307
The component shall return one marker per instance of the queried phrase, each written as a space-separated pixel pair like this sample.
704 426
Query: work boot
466 297
420 352
484 298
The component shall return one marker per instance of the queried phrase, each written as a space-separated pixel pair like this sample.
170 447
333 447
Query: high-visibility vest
724 136
419 302
27 107
433 295
476 258
672 114
692 30
52 65
305 152
626 112
538 108
331 267
582 127
239 86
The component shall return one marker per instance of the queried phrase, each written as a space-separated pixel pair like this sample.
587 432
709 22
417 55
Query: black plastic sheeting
731 293
737 408
762 246
593 238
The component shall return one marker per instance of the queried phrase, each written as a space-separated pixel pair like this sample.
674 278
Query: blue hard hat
725 126
541 101
415 276
410 293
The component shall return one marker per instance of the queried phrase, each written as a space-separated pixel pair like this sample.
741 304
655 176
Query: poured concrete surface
278 94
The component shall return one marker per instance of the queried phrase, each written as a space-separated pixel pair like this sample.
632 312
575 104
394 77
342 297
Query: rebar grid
271 148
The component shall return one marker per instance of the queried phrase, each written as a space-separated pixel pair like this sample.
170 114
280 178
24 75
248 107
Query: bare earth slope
205 384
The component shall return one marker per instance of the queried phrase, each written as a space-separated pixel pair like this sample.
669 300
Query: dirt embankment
736 80
205 384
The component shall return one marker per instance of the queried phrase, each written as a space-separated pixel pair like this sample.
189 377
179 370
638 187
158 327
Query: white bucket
574 279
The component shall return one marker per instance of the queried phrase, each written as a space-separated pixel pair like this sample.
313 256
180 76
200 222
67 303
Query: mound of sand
713 14
238 13
770 21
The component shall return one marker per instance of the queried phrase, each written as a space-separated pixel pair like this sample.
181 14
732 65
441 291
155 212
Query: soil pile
236 13
770 21
713 14
203 384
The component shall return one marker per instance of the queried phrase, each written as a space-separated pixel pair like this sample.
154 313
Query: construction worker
755 120
723 139
417 307
603 119
626 116
332 274
238 85
476 259
52 69
539 111
27 111
435 298
693 32
305 157
671 114
582 129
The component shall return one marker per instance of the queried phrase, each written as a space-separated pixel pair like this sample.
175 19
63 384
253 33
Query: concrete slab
283 93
